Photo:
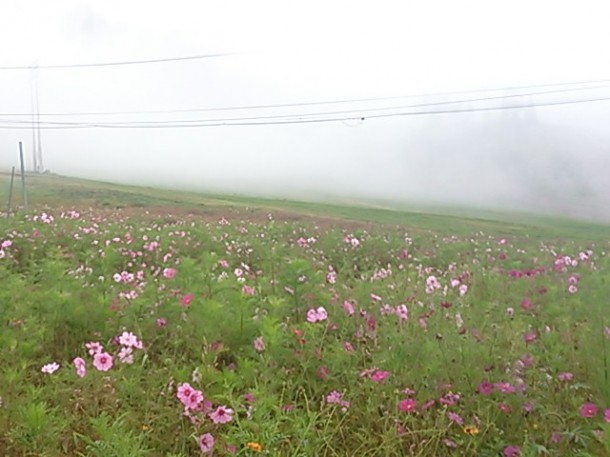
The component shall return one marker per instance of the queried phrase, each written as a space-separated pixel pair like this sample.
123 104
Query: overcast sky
302 52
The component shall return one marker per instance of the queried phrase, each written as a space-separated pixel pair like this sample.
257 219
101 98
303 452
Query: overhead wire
212 123
113 64
329 102
362 111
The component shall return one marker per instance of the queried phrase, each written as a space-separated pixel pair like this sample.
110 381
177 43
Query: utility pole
25 195
36 140
32 110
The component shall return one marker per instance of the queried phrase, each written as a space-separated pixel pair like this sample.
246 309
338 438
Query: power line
112 64
213 123
331 102
362 111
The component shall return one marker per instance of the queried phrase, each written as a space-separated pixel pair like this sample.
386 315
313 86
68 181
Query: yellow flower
253 446
471 430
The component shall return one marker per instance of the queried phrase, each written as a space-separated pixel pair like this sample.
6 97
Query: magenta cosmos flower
380 375
407 405
102 361
512 451
588 410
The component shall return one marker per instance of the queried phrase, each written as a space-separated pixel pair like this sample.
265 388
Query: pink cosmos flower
186 300
223 263
222 415
505 408
206 443
259 344
193 400
79 365
161 322
407 405
512 451
184 391
485 388
128 339
336 398
588 410
247 290
169 273
572 289
348 308
402 312
530 336
380 375
566 376
102 361
94 347
323 372
50 368
607 415
505 387
454 417
126 355
348 347
463 289
317 315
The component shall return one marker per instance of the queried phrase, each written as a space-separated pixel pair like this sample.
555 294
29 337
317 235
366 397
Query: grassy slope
52 190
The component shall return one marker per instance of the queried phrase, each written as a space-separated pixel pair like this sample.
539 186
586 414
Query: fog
547 151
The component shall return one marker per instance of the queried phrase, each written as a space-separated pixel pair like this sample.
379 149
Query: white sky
289 51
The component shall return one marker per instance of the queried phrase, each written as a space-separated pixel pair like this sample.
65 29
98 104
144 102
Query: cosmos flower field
142 335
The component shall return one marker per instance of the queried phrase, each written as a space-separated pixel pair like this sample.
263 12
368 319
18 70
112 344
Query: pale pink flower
50 368
193 400
80 366
102 361
463 289
94 347
259 344
336 398
566 376
247 290
402 312
348 308
128 339
454 417
317 315
221 415
184 391
161 322
126 355
206 443
169 273
6 244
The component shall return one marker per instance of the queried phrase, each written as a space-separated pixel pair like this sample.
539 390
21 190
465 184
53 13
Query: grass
319 330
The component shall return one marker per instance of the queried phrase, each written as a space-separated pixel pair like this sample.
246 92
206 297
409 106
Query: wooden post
25 195
10 193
